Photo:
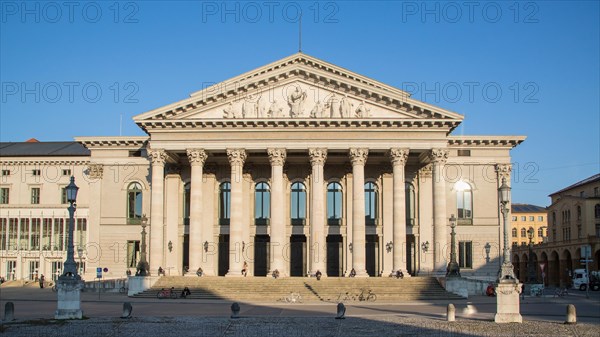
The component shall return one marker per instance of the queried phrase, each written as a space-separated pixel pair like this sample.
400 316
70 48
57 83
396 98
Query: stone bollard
127 310
9 311
235 310
341 311
451 313
571 314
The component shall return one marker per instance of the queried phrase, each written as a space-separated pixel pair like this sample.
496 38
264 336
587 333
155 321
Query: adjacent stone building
528 221
298 166
573 222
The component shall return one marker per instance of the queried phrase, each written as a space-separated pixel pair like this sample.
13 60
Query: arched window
262 203
464 200
410 204
370 203
597 211
523 233
134 202
514 232
298 203
334 203
540 232
224 203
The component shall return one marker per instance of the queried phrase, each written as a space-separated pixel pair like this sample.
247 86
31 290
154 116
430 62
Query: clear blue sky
524 68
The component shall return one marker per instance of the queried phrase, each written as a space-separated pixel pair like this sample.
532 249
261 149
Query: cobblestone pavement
396 325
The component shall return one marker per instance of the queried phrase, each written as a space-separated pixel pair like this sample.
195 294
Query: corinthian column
158 158
358 157
318 245
236 157
197 158
278 237
398 157
439 158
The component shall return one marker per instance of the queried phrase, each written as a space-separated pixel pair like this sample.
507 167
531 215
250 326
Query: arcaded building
297 166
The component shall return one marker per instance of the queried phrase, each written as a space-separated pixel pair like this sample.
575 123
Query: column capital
318 156
157 156
426 171
237 156
277 156
358 156
197 156
503 171
95 171
439 156
398 155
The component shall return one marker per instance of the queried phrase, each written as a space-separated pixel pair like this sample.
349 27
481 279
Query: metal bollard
571 314
341 311
235 310
127 310
451 313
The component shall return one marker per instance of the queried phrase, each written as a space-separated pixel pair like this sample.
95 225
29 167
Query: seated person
352 273
199 272
399 274
318 275
161 271
245 269
275 274
490 291
185 292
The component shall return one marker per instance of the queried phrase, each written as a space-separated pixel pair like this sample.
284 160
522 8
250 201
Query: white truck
581 280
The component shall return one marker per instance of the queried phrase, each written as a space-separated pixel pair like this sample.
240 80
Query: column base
234 273
362 273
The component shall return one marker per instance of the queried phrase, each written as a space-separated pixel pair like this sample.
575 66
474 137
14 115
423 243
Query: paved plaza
34 311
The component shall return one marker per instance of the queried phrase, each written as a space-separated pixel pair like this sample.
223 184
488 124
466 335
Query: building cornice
485 141
45 162
134 143
252 124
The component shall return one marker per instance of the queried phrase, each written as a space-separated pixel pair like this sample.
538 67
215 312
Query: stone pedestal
507 300
69 299
138 284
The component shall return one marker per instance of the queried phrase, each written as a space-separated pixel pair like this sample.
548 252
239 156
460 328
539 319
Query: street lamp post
506 270
69 284
453 269
143 267
531 277
70 267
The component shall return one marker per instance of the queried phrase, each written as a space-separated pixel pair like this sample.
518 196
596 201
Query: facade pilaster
278 233
358 157
158 158
197 158
318 244
439 158
236 157
95 174
398 157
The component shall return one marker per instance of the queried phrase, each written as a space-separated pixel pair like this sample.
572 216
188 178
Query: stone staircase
267 289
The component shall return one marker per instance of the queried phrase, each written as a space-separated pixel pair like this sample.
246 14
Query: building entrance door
297 253
261 255
372 254
223 254
334 256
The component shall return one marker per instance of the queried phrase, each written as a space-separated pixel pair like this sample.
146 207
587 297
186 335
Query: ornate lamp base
507 302
69 299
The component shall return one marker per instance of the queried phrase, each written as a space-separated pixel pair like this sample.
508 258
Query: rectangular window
598 230
59 234
5 173
47 234
66 172
24 235
465 254
63 195
523 218
464 153
514 218
596 192
35 195
531 218
35 234
4 193
80 232
13 227
133 254
540 218
36 172
3 233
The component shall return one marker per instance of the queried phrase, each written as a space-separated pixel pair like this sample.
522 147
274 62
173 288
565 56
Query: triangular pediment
299 87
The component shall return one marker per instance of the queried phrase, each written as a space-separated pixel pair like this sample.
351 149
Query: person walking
42 279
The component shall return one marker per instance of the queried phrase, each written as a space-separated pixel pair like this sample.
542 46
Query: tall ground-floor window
465 254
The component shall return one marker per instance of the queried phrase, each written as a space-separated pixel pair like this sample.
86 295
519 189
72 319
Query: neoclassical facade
298 166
